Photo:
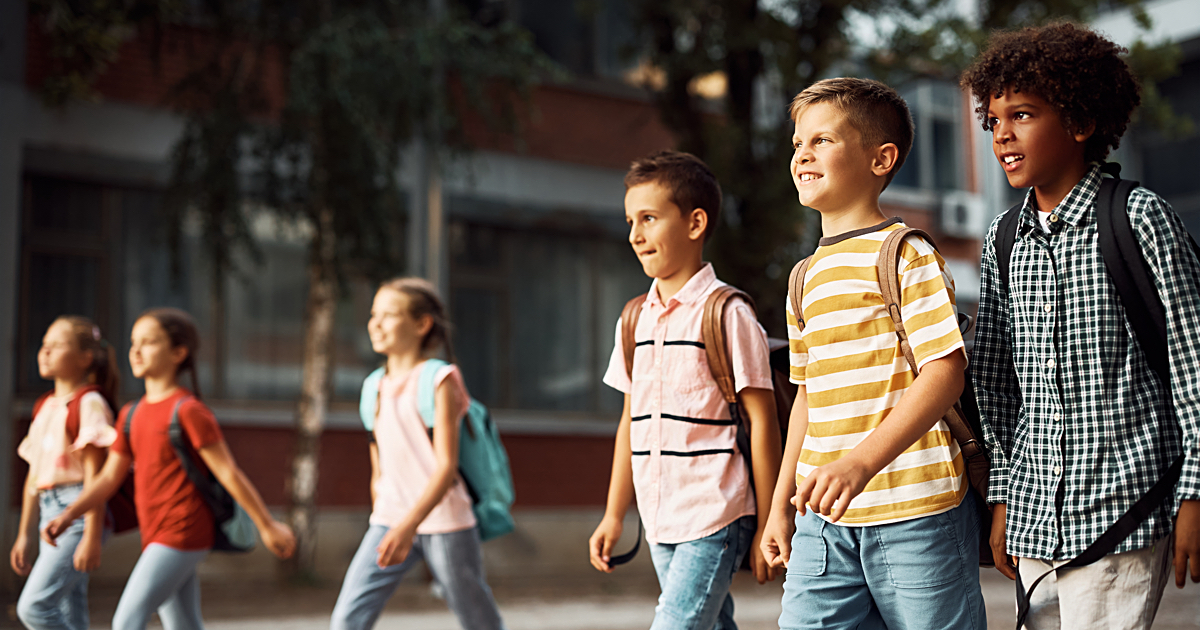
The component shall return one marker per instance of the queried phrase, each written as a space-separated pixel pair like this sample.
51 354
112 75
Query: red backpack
122 513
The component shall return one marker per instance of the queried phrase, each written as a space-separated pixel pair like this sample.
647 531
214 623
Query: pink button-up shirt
689 477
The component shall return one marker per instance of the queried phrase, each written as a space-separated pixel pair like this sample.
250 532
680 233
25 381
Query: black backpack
1134 281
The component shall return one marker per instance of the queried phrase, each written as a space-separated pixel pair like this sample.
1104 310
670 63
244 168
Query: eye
822 141
796 144
1021 115
991 123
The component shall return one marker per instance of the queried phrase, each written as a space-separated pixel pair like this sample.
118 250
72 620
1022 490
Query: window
535 311
590 38
935 161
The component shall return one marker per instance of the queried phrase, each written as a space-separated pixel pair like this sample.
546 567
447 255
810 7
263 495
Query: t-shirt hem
704 533
899 517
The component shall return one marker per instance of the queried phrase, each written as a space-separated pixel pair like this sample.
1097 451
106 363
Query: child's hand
55 528
776 543
1187 542
395 546
601 544
1005 563
829 489
763 571
23 552
279 539
87 554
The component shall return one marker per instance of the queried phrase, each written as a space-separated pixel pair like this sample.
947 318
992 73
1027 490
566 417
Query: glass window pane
946 151
57 284
65 206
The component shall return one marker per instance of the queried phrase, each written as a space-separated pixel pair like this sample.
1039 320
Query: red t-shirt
170 511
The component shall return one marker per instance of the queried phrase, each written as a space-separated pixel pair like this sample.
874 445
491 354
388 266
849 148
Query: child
421 506
175 522
676 444
1078 425
65 448
886 529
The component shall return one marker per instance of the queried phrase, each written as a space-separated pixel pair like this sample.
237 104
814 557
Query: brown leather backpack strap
716 344
796 290
629 320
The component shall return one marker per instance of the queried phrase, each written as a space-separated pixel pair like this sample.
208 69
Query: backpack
482 460
121 513
720 365
233 530
963 417
1131 276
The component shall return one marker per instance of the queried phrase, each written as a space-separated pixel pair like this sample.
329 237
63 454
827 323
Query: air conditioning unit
962 214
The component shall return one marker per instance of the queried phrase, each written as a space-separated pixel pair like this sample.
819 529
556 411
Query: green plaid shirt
1078 424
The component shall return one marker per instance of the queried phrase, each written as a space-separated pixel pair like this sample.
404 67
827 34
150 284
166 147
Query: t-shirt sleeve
617 377
199 424
927 302
455 381
120 444
749 351
95 422
797 351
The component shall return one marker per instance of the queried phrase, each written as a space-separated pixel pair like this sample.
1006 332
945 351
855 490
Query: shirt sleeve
617 377
1177 271
454 375
927 302
797 351
120 444
750 352
995 379
199 424
95 422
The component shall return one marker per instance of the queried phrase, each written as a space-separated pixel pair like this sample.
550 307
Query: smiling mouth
1009 160
808 177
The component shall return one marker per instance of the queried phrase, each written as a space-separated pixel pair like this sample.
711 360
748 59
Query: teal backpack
482 460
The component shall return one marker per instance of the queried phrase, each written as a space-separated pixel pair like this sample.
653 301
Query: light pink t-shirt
407 459
689 477
53 459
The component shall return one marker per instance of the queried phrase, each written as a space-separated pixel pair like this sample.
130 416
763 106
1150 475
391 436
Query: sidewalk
621 605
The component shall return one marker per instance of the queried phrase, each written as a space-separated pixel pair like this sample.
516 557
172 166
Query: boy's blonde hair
877 111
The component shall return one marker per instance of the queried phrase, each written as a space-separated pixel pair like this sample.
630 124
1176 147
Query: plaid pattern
1078 424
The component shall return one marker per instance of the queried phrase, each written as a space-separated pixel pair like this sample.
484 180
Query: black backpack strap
1006 238
620 559
129 421
204 483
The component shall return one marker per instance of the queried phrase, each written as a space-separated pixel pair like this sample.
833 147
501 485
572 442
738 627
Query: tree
303 107
766 52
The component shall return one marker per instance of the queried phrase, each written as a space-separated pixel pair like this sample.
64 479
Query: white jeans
1120 591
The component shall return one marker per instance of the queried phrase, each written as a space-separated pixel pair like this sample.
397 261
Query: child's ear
179 354
884 159
1083 134
697 224
425 324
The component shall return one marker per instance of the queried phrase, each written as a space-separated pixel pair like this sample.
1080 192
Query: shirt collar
1076 208
693 291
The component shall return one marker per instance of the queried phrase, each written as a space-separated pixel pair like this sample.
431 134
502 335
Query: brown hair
688 179
181 331
102 371
423 300
1078 72
874 109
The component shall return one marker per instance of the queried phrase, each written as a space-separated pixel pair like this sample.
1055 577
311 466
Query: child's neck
160 388
670 285
403 362
841 221
66 386
1048 196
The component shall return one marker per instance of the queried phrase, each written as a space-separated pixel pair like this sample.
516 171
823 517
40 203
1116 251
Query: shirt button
1058 470
1048 308
1054 218
1050 363
1057 417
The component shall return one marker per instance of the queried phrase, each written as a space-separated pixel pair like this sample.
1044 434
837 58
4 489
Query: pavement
611 604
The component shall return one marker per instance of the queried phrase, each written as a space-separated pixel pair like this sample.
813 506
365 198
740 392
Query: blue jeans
55 594
695 577
164 580
919 574
455 561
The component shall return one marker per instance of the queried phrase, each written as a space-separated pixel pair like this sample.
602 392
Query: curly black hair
1080 73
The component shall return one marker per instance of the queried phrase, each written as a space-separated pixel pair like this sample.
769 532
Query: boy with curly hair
1079 425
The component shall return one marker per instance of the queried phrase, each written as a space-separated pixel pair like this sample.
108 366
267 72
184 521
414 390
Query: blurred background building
535 243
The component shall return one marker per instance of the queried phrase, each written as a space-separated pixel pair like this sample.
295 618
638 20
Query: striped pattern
850 362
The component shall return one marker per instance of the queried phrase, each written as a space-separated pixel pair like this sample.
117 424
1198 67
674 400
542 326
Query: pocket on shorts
809 552
923 552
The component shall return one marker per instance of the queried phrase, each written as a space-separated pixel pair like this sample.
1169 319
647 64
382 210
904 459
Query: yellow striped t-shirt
854 372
